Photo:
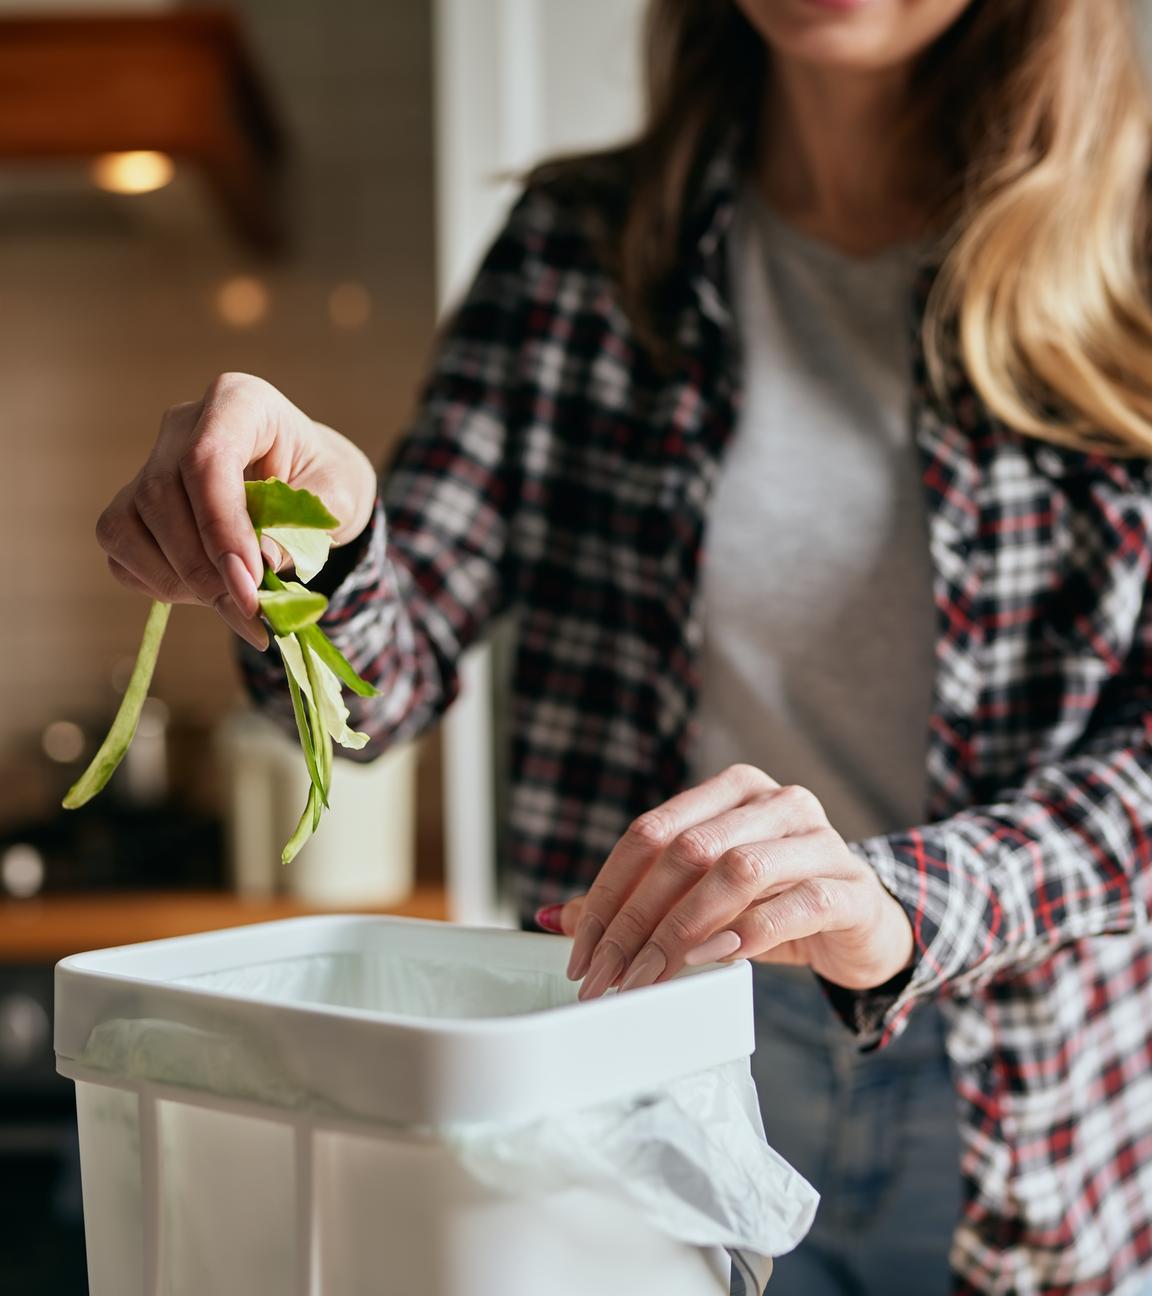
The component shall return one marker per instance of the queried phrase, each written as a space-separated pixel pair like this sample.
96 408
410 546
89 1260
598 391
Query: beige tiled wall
107 317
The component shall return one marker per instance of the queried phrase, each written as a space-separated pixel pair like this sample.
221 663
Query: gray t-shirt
818 622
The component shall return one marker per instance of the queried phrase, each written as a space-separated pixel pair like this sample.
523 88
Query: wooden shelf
184 83
43 930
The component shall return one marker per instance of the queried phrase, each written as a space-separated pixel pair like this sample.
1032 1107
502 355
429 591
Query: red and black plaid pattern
553 472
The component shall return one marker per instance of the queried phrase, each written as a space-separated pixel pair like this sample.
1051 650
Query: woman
833 633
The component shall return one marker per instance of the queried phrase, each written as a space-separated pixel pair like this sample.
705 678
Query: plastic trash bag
692 1158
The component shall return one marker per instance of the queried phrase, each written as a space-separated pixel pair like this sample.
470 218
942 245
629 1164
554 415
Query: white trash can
299 1108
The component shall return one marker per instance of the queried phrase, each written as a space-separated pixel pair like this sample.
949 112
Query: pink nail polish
240 584
548 918
606 967
588 934
647 968
723 945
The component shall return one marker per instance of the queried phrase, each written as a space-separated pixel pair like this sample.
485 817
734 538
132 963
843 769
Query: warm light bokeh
349 306
242 301
136 172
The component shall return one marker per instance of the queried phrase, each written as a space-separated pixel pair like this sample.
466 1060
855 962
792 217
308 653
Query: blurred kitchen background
296 189
291 188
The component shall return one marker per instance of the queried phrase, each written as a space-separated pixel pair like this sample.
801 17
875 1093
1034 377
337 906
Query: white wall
516 80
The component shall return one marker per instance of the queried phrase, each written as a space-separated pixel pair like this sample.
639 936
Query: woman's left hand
738 867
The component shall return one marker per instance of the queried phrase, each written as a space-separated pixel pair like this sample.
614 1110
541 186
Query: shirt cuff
867 1013
344 561
879 1015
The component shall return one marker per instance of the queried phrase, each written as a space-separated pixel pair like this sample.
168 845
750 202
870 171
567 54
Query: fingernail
646 968
273 554
549 918
606 966
257 636
587 937
722 945
240 583
246 627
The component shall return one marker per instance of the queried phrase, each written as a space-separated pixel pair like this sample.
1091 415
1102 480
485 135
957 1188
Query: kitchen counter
45 929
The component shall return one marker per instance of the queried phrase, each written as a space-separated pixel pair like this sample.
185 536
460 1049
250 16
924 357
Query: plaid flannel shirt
552 470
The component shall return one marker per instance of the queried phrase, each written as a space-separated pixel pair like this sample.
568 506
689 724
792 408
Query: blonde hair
1044 285
1040 111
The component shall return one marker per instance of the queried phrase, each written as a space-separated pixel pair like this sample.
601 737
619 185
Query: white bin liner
690 1155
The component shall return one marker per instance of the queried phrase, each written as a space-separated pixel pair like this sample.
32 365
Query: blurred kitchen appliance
135 835
106 845
364 852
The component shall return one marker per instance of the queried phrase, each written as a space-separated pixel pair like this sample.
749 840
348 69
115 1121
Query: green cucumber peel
322 646
321 737
123 728
304 829
291 608
273 503
294 518
336 662
303 717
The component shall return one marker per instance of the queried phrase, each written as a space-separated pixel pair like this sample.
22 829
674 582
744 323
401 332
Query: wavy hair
1040 111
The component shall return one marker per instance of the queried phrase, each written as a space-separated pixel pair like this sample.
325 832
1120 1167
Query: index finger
224 443
641 845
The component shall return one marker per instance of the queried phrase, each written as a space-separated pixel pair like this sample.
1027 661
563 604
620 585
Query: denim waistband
791 1003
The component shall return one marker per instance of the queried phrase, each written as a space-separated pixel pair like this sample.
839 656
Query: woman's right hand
179 531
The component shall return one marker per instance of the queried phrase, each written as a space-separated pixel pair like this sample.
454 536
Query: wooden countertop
48 928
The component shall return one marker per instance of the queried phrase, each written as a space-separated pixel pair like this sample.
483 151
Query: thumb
560 919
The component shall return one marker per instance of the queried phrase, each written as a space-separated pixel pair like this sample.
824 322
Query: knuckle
228 386
121 574
604 901
763 926
800 803
819 899
154 492
203 579
174 590
109 528
652 828
200 455
180 411
746 775
695 850
745 868
629 928
676 933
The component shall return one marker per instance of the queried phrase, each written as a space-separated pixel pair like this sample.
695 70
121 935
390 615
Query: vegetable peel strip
123 728
304 728
292 612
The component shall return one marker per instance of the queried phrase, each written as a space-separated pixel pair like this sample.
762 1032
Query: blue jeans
875 1133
